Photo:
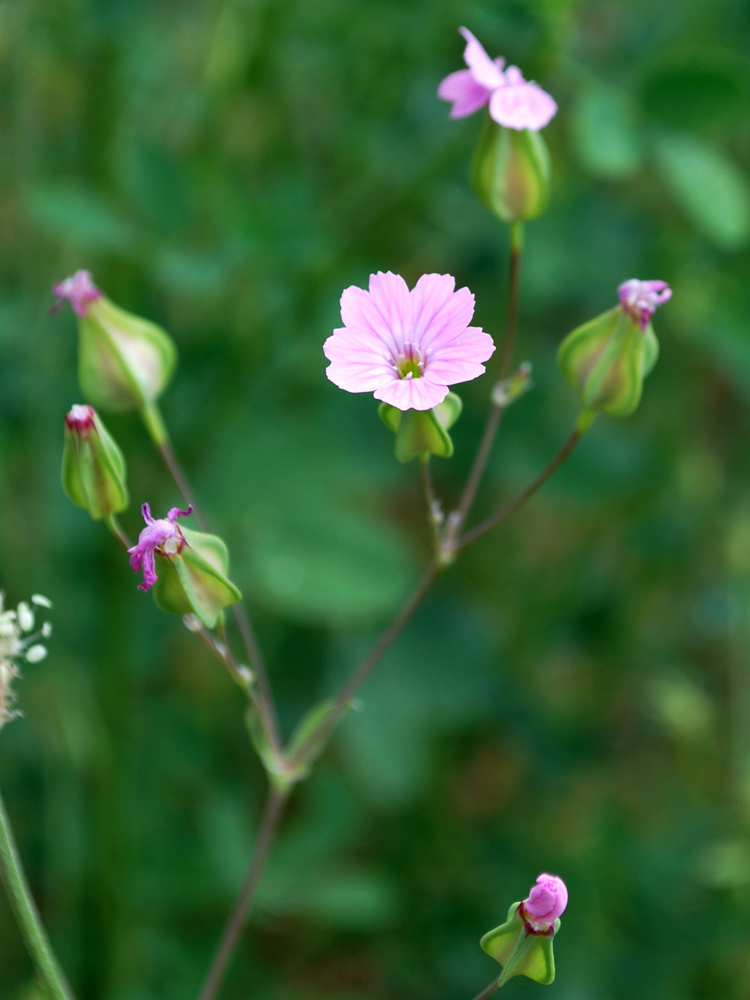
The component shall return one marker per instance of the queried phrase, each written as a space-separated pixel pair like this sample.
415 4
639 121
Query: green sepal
422 432
510 172
274 766
124 361
304 730
195 582
606 361
522 952
93 471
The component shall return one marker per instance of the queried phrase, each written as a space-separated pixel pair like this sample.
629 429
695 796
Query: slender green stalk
434 513
269 825
156 427
458 518
512 505
26 914
488 989
114 526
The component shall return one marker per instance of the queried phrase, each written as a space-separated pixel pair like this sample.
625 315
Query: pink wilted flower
406 347
162 536
641 299
547 900
514 102
79 290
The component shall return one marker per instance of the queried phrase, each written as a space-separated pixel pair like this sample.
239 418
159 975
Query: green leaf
73 214
696 89
606 133
307 725
710 188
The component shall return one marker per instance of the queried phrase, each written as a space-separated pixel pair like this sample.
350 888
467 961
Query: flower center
410 364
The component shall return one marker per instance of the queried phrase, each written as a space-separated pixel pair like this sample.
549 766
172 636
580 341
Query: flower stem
488 989
512 505
114 526
458 518
26 914
434 513
269 825
344 697
157 429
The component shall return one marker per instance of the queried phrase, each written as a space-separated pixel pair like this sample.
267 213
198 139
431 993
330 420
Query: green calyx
422 432
510 172
194 581
93 469
124 362
520 950
606 361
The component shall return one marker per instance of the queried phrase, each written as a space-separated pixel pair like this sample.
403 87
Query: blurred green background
575 695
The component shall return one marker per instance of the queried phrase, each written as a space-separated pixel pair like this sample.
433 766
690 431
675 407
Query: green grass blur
575 695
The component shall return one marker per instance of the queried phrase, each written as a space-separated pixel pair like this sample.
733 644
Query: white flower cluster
18 641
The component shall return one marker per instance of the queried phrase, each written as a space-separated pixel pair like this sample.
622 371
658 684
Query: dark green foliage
574 697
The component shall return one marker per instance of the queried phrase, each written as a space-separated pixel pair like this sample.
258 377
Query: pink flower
162 536
547 900
514 102
640 299
78 290
406 347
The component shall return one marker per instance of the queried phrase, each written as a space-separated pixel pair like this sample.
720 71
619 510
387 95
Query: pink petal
467 95
461 360
522 105
483 69
412 393
349 344
439 313
390 296
360 315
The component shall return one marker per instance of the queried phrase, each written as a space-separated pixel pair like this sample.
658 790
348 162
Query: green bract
510 172
194 581
124 362
422 432
93 467
521 951
606 361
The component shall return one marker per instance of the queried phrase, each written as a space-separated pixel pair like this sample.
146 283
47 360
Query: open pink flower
162 536
547 900
514 102
641 299
406 347
79 290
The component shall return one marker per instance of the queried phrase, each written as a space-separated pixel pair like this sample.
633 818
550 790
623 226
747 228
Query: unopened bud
124 361
607 359
422 432
510 172
93 467
523 944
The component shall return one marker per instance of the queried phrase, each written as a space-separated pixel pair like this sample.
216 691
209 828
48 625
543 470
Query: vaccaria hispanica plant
409 347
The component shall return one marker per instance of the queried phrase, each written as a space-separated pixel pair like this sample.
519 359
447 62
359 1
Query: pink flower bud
80 419
640 299
547 900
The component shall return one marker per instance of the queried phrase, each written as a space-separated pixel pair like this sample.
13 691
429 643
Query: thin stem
269 824
26 914
488 989
114 526
157 429
495 415
343 699
434 513
512 505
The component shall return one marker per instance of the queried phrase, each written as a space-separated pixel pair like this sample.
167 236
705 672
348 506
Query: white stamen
36 653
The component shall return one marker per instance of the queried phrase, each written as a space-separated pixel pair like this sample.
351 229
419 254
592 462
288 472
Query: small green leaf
710 188
606 133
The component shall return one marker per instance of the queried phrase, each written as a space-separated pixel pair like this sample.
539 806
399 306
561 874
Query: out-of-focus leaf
76 215
606 132
710 188
696 90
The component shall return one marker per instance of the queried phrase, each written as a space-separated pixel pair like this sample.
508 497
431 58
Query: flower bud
607 359
193 566
510 172
523 944
422 432
124 362
93 467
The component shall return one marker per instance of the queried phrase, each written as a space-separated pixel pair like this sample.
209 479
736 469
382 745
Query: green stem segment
488 989
269 825
25 912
